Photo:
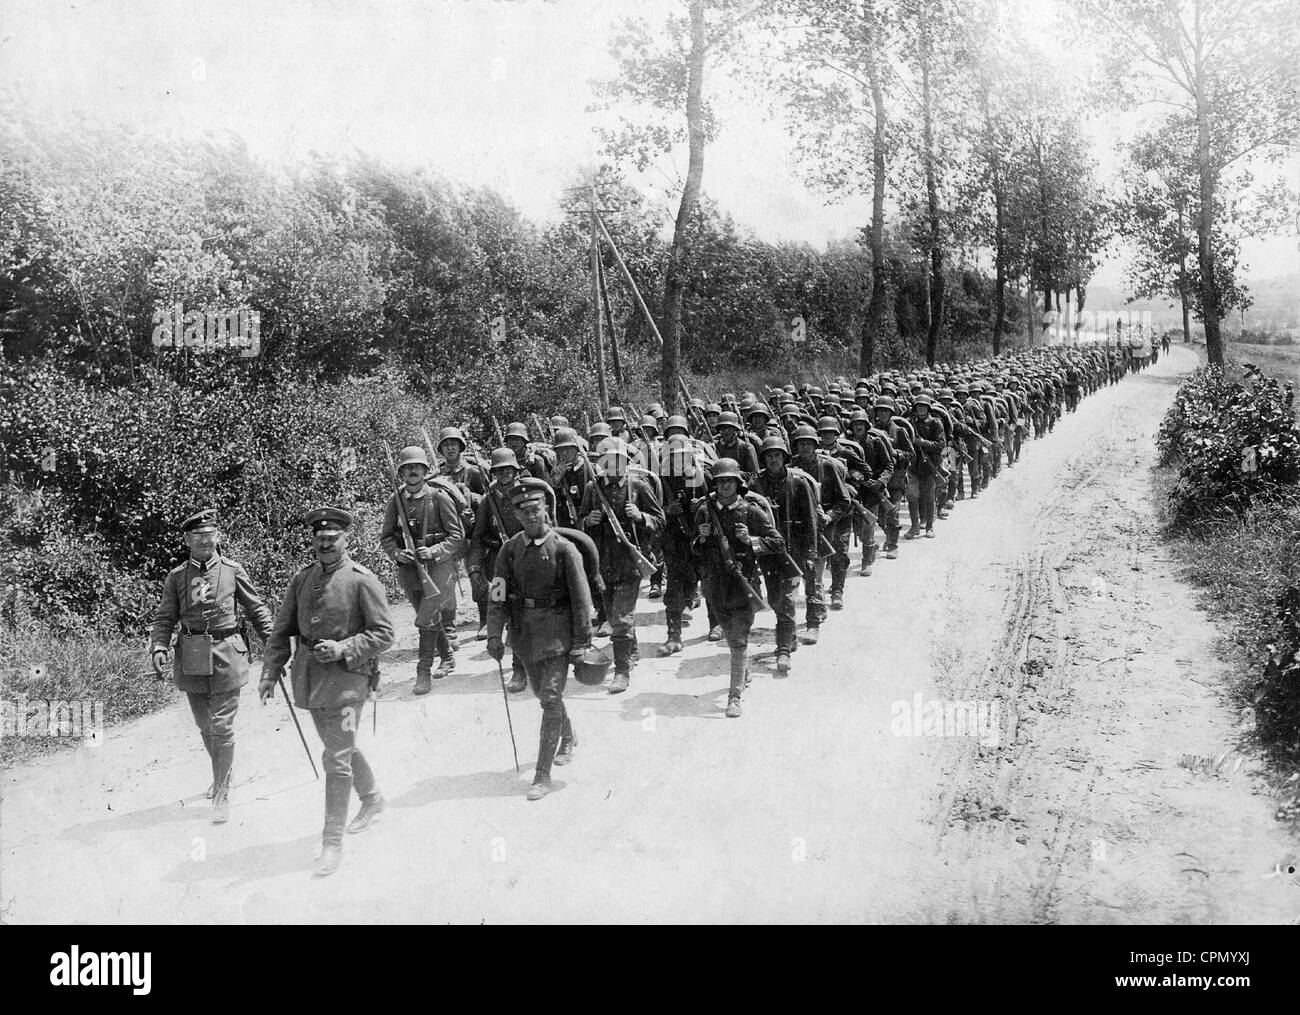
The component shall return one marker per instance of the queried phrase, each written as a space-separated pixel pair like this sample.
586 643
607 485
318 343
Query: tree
1227 65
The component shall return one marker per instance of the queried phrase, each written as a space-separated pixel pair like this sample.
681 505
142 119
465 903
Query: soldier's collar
344 559
206 565
406 490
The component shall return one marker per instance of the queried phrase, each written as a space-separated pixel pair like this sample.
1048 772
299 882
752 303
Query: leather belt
544 602
219 635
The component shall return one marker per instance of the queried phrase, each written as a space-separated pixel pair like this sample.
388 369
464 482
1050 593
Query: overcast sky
488 92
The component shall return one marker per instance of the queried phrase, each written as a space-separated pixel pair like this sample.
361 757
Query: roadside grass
109 673
1241 566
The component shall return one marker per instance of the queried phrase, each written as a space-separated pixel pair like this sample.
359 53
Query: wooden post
597 346
609 323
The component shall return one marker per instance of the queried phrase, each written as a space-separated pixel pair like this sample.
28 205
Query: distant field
1276 360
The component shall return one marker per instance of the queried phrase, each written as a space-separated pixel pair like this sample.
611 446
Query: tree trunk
1205 220
876 306
674 282
1182 277
932 201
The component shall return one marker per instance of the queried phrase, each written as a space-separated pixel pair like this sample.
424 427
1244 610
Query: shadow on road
471 786
252 863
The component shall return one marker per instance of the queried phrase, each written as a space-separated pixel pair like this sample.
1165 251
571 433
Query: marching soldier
835 523
494 523
540 593
464 475
338 611
876 468
683 484
638 516
732 532
795 516
533 462
929 444
569 478
438 531
204 601
895 489
730 444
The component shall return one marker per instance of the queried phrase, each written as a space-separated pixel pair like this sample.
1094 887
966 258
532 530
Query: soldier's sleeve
653 518
389 539
474 560
701 518
579 595
278 649
254 606
167 614
589 504
496 613
455 543
886 472
377 634
841 500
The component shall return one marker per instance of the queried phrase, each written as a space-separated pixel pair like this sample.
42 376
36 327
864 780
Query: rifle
729 562
542 432
643 565
490 497
496 427
429 605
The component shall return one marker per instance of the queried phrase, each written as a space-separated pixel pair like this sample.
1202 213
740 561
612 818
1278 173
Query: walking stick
294 716
509 722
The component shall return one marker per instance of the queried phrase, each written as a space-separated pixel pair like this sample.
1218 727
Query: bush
1234 445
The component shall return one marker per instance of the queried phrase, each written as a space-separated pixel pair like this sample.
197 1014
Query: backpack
462 499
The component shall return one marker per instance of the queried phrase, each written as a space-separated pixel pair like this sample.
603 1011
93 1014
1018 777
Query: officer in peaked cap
338 611
204 602
541 600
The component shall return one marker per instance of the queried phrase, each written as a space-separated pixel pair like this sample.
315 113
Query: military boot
369 813
338 793
622 666
222 761
423 666
739 681
518 676
716 633
567 743
673 645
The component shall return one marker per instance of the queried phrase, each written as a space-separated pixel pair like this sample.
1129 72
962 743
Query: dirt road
1097 781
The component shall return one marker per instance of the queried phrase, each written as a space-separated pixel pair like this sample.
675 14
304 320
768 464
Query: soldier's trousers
838 535
620 612
736 625
345 766
920 500
814 602
780 596
682 577
895 524
214 715
433 639
874 512
1071 399
547 678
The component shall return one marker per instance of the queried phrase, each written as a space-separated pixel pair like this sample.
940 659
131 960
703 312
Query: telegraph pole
596 344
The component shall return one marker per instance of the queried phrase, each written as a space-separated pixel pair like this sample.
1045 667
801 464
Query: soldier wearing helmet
836 526
871 480
494 523
743 521
729 443
900 441
462 472
541 599
682 476
928 443
569 477
795 514
533 461
438 531
640 517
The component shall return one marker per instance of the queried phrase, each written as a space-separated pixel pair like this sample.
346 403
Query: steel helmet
803 432
648 422
885 402
791 409
725 468
559 421
501 458
728 419
759 409
676 423
923 399
452 433
412 454
615 413
592 667
517 430
828 424
566 437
